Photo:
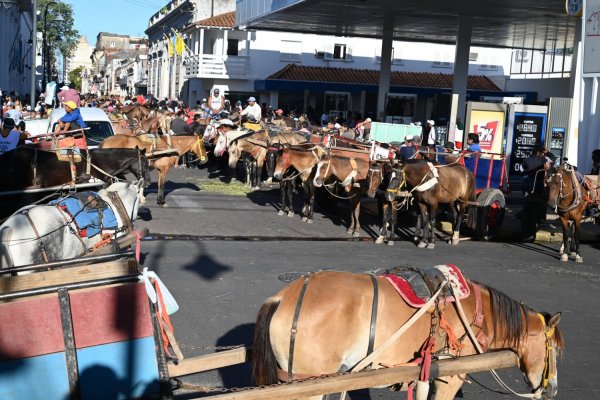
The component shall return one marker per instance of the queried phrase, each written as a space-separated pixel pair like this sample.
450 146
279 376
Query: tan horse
357 176
180 144
332 331
126 127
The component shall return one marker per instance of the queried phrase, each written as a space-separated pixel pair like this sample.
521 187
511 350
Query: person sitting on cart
408 150
473 142
11 136
72 120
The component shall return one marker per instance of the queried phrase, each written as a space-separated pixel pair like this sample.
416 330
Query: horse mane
510 322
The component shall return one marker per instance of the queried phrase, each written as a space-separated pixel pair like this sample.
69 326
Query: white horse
55 235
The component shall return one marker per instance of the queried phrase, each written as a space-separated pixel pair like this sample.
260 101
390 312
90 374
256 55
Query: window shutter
348 54
329 52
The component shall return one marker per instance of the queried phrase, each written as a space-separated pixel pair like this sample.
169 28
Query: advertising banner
529 131
489 125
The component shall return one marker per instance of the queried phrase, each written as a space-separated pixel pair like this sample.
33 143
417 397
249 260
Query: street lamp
45 50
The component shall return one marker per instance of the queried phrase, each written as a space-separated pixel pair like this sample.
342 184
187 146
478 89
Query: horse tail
473 210
6 260
264 364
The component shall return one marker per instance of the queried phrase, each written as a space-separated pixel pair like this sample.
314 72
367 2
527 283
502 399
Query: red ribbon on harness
138 238
424 360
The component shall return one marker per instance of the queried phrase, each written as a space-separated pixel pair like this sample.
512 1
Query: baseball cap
251 98
70 104
226 122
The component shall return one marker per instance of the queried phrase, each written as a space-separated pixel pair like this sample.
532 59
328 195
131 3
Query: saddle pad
414 290
90 221
149 138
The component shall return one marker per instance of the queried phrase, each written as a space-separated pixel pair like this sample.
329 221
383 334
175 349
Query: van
96 120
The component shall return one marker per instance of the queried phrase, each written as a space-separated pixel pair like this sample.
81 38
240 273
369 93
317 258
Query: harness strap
35 165
37 237
76 233
482 338
372 329
116 200
294 329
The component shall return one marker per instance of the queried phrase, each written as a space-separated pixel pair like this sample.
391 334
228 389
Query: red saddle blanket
412 286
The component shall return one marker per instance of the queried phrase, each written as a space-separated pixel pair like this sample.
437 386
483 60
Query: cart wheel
490 214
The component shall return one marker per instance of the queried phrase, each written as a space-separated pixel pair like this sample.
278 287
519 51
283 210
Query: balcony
217 66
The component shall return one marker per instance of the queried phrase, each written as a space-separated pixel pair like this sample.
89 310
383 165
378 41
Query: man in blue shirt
473 142
72 120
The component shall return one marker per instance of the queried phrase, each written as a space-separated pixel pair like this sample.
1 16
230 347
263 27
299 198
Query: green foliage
60 35
75 77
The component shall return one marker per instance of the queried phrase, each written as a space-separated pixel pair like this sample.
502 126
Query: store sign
489 125
529 131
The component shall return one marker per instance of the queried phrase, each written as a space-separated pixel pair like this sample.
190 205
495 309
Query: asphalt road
221 258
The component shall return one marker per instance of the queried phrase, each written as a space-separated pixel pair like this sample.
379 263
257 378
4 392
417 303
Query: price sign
529 131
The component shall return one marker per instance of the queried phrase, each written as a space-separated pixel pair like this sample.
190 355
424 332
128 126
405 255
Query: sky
126 17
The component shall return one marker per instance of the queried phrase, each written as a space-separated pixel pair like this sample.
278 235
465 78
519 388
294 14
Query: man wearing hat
68 94
408 149
278 121
72 120
252 109
10 137
364 129
12 112
431 137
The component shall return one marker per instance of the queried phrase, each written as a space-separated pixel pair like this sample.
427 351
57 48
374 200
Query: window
441 60
112 43
291 51
521 55
473 57
338 52
395 56
232 47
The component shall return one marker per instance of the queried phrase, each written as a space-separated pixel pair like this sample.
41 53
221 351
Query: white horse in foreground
55 232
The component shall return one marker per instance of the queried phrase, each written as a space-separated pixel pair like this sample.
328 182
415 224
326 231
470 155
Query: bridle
575 188
202 155
549 374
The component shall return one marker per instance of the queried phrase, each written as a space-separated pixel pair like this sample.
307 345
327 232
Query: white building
16 52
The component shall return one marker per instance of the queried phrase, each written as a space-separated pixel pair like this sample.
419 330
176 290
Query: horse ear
143 152
554 320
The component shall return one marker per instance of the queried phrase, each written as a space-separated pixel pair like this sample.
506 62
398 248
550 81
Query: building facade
16 52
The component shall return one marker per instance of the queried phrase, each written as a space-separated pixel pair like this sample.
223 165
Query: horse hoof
379 240
356 234
422 245
280 212
564 258
415 239
431 246
573 255
390 243
164 205
290 214
349 231
304 219
578 258
309 221
455 242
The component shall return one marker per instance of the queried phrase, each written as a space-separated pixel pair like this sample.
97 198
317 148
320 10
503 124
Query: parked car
95 119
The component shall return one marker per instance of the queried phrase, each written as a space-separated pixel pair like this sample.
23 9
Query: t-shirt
407 152
253 110
10 142
74 116
178 126
474 147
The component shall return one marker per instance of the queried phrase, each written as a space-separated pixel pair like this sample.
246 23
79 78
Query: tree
60 35
75 77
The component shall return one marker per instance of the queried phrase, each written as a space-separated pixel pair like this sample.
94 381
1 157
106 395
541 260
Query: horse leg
431 226
424 217
576 233
566 234
458 217
257 175
385 220
418 228
162 178
311 201
446 387
393 221
355 207
289 189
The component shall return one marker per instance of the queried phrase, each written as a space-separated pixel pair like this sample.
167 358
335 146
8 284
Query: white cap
64 88
408 137
226 122
368 120
337 126
431 122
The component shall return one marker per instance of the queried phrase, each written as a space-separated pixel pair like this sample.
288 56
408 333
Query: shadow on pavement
205 266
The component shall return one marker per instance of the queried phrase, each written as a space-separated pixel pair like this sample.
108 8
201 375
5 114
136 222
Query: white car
95 119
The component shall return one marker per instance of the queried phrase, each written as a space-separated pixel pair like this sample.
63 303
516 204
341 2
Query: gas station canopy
541 24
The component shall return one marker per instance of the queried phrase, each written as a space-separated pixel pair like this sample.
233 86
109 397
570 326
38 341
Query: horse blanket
90 213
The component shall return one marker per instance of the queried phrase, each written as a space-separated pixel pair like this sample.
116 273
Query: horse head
220 145
538 357
235 152
397 181
374 179
555 184
199 150
323 172
283 162
273 152
143 167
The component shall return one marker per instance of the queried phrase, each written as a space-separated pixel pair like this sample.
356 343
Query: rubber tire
486 199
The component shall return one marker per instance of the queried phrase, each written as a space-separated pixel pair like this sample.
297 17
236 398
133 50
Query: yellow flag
179 44
169 45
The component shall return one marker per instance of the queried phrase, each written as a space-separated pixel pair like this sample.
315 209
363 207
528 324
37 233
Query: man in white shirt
252 109
216 102
431 138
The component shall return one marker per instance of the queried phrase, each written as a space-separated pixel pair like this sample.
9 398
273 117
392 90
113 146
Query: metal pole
32 92
44 50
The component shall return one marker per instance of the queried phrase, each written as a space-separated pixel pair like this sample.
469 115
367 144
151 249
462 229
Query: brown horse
334 325
431 185
357 176
570 198
300 162
135 111
180 144
132 128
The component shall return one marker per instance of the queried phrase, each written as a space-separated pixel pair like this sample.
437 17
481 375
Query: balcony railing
217 66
